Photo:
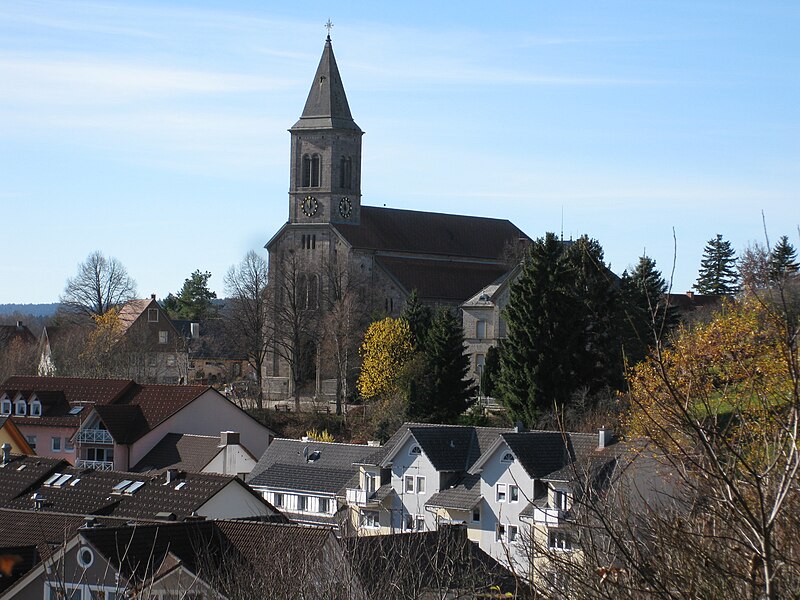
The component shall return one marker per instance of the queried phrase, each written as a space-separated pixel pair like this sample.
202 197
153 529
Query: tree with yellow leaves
386 349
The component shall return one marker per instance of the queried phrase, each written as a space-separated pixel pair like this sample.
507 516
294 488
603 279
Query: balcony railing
547 516
359 497
97 465
95 436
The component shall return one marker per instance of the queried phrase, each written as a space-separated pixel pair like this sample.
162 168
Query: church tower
325 177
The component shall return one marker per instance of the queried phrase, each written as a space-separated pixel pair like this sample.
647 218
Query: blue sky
156 132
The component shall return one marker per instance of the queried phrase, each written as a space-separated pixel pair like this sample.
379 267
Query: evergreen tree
444 393
562 331
491 370
783 260
194 301
718 274
418 316
646 317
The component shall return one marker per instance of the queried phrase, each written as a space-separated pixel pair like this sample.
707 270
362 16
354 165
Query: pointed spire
326 106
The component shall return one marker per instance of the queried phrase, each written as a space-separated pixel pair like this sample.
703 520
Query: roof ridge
321 442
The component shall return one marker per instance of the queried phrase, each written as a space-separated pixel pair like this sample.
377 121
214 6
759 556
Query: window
560 500
476 514
277 499
85 557
507 458
170 360
369 518
100 454
324 504
370 483
36 408
6 407
163 337
345 172
420 523
415 451
21 407
480 363
511 530
55 444
499 532
513 493
408 523
420 485
310 174
301 503
480 329
409 486
501 492
559 540
31 439
152 315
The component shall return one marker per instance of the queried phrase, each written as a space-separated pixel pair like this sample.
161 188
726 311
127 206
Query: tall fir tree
561 326
718 274
491 370
195 301
418 316
647 317
783 260
443 393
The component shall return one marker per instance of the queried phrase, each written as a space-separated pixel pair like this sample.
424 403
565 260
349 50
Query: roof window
180 485
134 487
117 489
508 457
75 410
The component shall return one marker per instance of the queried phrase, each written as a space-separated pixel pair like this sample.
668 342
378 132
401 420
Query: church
332 242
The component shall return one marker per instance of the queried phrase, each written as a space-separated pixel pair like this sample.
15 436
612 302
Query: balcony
547 516
97 465
359 497
94 436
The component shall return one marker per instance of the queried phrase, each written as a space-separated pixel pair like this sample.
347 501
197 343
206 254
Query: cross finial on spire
329 26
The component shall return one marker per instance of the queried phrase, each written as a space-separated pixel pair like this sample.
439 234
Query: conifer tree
418 316
718 274
783 260
647 317
491 370
443 394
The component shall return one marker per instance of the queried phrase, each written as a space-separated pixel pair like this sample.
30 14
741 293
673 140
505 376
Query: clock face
345 207
310 206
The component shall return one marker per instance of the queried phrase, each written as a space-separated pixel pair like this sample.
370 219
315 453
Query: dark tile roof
90 492
690 302
447 280
283 465
407 231
12 333
75 389
553 455
183 451
463 496
23 473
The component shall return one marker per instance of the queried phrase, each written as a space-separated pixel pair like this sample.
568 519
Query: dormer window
507 458
310 175
21 407
415 451
5 406
36 408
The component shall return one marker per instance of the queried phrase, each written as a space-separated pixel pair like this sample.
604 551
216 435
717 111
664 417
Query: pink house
114 423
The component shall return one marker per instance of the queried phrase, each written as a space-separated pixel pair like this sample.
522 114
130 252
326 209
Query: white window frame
420 485
513 493
559 540
500 532
508 457
476 510
163 336
20 408
6 406
512 533
277 499
419 523
560 499
55 443
324 505
415 450
302 503
501 492
370 519
408 484
36 408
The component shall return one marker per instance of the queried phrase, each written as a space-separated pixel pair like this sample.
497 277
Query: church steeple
326 106
325 178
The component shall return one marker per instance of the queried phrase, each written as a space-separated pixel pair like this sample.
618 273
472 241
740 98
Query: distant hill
35 310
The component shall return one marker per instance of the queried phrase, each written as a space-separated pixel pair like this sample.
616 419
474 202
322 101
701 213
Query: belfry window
345 173
310 175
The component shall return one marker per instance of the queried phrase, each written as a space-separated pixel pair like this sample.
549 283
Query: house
16 334
193 559
53 486
307 480
11 435
221 454
114 423
154 349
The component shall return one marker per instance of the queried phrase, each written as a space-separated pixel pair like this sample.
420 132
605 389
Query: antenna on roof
305 453
562 222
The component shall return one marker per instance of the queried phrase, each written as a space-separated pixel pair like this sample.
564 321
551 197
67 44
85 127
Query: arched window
305 180
345 172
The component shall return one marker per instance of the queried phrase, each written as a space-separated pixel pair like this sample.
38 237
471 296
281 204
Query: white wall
404 464
233 501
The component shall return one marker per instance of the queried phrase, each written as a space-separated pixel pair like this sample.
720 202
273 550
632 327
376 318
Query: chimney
519 427
6 448
152 296
690 294
194 330
19 324
172 476
229 438
374 443
38 501
89 523
604 437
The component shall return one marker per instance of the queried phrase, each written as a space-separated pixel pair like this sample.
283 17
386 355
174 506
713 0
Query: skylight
180 485
61 480
134 487
122 485
52 478
75 410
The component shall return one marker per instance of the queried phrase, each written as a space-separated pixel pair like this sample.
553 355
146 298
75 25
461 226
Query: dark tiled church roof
418 232
441 279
